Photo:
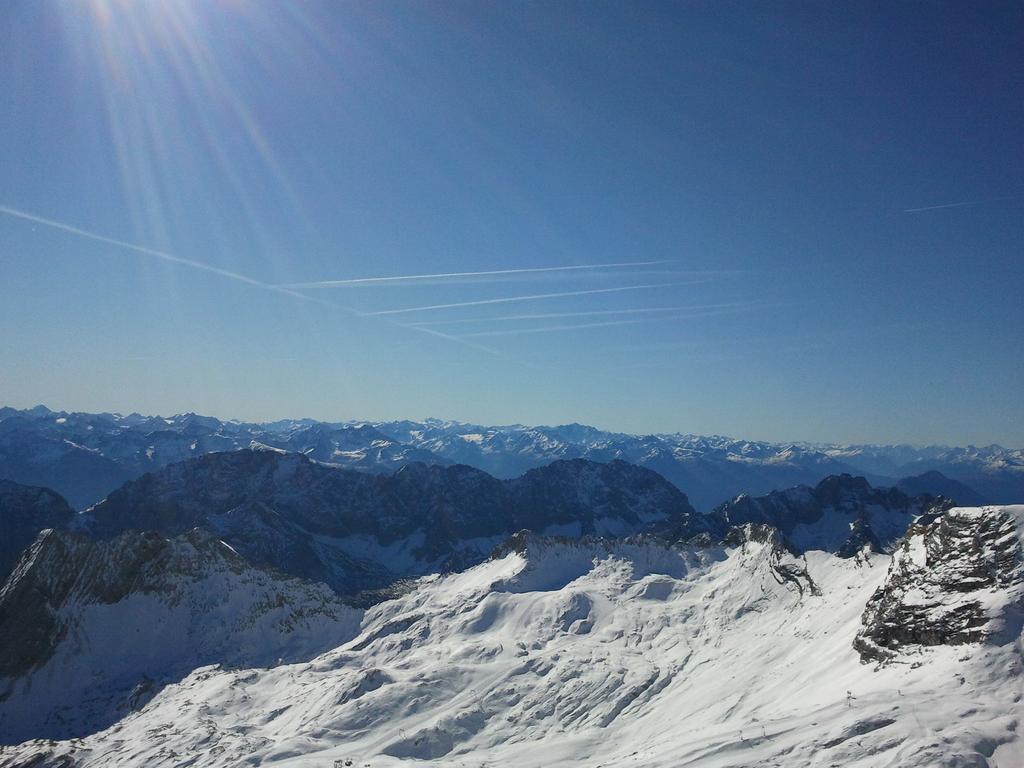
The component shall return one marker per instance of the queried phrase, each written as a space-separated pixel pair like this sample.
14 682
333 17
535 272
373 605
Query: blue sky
783 220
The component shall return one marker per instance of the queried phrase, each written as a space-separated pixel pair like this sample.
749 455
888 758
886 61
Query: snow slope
596 653
90 630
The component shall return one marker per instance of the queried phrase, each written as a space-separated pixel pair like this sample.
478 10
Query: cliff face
955 579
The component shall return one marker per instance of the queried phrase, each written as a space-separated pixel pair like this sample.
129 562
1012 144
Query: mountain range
86 456
358 531
323 596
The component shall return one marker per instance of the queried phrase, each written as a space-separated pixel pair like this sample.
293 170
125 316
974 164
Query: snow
337 453
916 551
1015 511
227 612
596 654
255 445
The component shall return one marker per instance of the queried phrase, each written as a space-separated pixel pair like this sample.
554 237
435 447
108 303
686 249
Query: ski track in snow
594 655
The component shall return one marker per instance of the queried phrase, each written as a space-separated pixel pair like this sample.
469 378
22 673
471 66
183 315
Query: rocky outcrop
956 578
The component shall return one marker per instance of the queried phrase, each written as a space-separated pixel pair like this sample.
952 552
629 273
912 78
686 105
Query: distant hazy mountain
31 454
938 484
713 469
355 447
356 530
86 456
994 472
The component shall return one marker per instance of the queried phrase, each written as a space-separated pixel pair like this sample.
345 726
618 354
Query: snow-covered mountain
713 469
357 446
841 514
91 630
86 456
708 469
632 652
358 531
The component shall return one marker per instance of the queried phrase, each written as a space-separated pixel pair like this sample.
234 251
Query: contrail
487 273
590 313
958 205
153 252
518 331
221 272
531 297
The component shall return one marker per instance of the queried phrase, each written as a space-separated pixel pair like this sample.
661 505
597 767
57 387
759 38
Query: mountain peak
842 514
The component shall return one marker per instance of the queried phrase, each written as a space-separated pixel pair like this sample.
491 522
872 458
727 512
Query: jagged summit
842 514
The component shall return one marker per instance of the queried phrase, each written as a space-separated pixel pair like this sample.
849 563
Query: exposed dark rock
950 582
785 563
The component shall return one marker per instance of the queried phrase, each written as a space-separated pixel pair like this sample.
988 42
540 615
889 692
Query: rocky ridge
956 578
85 456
